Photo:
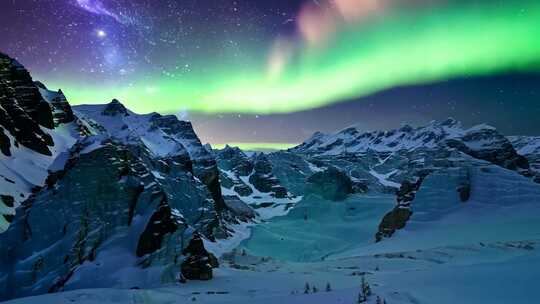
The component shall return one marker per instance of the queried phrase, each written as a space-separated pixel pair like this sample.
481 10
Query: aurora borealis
260 58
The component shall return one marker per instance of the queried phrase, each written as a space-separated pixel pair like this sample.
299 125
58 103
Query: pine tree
306 288
366 289
328 287
361 298
314 288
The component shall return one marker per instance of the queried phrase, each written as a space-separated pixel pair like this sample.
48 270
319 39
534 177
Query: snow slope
162 135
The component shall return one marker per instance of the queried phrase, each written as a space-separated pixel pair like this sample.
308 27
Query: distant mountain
529 146
398 161
481 141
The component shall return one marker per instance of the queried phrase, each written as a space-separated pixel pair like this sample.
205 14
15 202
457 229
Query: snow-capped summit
353 140
163 135
62 112
115 108
481 141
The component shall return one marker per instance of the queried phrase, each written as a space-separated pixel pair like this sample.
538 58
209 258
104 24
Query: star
101 33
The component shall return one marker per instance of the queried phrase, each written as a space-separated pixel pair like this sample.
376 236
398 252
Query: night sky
277 71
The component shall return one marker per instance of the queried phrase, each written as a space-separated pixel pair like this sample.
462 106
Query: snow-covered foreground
488 273
484 250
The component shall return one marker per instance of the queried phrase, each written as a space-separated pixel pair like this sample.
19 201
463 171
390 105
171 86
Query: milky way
96 7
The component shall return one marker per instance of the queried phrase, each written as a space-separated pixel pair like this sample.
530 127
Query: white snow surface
137 128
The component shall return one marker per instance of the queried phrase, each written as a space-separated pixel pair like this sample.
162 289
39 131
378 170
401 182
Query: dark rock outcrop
62 112
464 188
115 108
233 159
199 262
161 223
392 221
5 144
397 218
22 108
263 179
243 190
360 186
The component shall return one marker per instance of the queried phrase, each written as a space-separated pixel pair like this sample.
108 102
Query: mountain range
100 204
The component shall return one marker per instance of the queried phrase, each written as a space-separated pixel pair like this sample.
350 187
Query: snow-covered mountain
102 191
481 141
398 161
251 180
529 146
36 134
163 136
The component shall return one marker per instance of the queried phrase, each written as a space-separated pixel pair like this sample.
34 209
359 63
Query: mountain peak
114 108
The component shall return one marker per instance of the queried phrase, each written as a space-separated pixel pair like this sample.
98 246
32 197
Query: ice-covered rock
163 135
331 184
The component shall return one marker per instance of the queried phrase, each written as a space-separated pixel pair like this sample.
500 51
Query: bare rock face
392 221
199 262
263 179
397 218
4 143
62 112
22 109
115 108
162 222
233 159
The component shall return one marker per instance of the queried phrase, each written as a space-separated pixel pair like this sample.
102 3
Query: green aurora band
402 48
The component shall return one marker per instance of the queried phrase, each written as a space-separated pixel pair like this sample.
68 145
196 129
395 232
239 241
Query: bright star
101 33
